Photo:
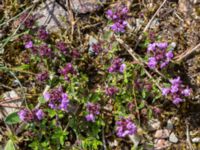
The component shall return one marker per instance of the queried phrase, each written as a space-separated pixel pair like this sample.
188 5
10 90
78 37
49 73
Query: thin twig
188 137
10 106
16 15
132 53
149 23
187 53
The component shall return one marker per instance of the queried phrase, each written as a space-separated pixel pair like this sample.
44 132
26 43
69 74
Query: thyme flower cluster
57 99
160 56
177 91
125 127
93 110
28 115
117 66
118 17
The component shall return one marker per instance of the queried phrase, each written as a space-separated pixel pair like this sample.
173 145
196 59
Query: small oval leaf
13 118
9 145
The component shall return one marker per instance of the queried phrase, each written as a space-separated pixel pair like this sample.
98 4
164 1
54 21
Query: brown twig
187 53
139 60
149 24
188 137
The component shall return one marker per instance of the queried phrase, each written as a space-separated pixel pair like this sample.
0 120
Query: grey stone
85 6
196 140
162 134
173 138
169 125
51 13
153 125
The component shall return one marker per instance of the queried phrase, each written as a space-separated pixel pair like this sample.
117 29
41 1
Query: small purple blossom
177 91
68 69
152 62
177 101
165 91
93 110
62 47
25 115
125 127
159 55
97 48
45 51
169 55
42 33
186 92
118 17
28 20
28 44
117 66
43 76
162 45
111 91
90 117
57 99
39 114
64 102
122 68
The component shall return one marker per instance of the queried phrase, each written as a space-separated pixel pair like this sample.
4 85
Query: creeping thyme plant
91 95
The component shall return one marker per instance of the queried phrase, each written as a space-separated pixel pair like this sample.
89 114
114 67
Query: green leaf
23 67
13 118
41 100
9 145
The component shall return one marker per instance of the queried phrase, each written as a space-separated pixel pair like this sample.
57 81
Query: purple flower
125 127
122 68
177 101
186 92
57 99
109 14
62 47
151 47
29 44
177 91
42 76
118 16
165 91
45 51
90 117
111 91
119 26
175 88
64 102
67 69
169 55
42 33
159 55
25 115
152 62
117 66
162 45
175 81
96 48
164 64
93 109
39 114
28 20
47 96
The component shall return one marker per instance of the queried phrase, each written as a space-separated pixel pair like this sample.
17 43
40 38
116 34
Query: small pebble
160 144
153 125
162 134
169 125
196 140
173 138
